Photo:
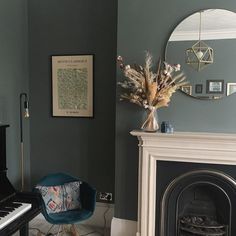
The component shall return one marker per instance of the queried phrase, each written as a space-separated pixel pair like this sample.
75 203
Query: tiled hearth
207 150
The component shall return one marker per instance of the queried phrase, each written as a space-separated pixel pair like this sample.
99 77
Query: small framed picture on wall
215 86
198 88
72 85
231 88
186 89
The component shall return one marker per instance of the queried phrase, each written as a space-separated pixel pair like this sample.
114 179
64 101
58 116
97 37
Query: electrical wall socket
104 196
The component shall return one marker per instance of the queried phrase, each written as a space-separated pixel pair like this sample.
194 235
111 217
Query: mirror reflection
204 44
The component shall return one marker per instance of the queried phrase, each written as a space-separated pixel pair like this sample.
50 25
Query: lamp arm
26 106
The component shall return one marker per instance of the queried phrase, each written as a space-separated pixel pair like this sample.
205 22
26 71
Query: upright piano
16 208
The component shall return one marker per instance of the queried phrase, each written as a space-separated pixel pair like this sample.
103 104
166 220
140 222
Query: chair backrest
56 179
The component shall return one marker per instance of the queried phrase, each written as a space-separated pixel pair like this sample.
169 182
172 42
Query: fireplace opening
199 202
203 209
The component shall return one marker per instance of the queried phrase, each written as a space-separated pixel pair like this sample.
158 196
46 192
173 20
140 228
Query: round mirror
204 44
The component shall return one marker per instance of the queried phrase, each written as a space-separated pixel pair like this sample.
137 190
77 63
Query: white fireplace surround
211 148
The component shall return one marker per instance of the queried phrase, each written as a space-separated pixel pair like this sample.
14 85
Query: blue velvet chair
70 217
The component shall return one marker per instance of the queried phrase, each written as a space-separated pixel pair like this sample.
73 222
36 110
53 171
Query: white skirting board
122 227
97 219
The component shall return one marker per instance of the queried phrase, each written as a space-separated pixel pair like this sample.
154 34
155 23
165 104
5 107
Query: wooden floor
39 226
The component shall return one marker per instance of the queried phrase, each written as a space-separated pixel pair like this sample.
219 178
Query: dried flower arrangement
148 89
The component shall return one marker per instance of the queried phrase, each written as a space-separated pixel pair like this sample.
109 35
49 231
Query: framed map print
72 85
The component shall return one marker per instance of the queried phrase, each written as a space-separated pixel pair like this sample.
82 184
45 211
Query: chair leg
48 232
39 234
74 230
59 230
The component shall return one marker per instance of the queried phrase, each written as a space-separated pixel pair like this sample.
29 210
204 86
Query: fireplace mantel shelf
196 135
216 148
195 147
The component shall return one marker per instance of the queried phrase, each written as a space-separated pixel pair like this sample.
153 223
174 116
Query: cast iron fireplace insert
203 209
197 201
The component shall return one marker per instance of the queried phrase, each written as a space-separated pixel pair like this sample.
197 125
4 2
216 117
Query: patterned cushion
61 198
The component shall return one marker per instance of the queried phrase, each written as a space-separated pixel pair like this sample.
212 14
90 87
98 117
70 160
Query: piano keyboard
11 211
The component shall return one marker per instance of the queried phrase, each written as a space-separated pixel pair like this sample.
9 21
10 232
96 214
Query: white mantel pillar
210 148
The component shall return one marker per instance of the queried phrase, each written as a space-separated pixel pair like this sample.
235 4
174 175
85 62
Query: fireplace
187 184
203 209
195 199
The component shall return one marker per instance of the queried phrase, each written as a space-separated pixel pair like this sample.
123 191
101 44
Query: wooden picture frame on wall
186 89
72 85
231 88
215 86
198 88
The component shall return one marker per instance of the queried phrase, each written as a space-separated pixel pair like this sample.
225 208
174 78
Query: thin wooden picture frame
72 85
231 88
186 89
198 88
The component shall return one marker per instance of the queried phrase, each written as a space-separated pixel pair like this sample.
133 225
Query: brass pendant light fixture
200 54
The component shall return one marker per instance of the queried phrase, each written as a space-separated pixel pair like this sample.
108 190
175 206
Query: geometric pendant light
200 54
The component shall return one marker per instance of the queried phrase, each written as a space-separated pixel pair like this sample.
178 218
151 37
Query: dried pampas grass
147 89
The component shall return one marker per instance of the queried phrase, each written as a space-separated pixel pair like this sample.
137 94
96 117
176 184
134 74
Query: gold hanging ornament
200 54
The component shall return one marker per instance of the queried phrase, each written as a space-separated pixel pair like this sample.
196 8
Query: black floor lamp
24 113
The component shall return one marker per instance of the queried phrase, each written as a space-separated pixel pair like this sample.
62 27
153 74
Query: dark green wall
80 146
13 80
146 25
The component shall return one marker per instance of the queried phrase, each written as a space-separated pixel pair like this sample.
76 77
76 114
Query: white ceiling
216 24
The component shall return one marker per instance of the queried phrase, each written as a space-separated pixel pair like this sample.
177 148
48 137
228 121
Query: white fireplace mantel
211 148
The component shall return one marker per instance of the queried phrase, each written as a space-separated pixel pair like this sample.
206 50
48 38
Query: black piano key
10 209
10 206
14 204
2 213
4 210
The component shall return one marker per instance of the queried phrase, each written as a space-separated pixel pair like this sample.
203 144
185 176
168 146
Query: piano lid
6 188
